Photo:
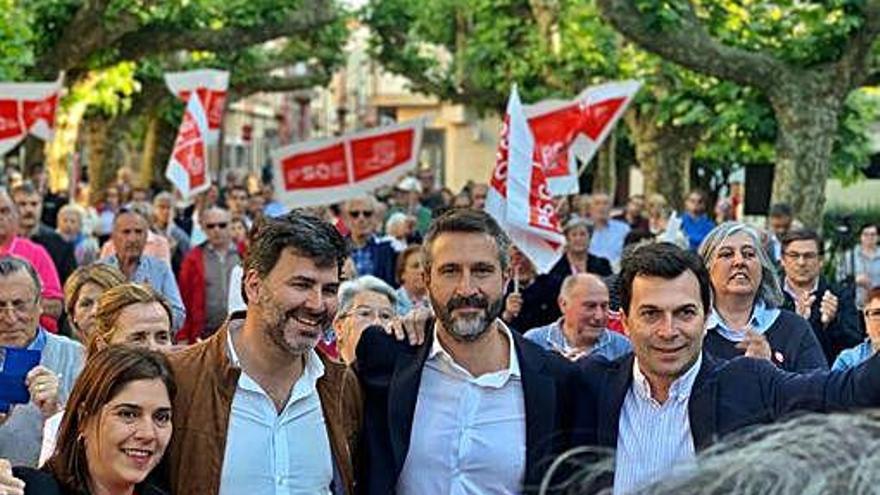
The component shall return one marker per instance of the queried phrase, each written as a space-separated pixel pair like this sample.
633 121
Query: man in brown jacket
257 408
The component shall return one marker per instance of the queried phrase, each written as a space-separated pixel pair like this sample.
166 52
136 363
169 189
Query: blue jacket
384 259
727 396
390 373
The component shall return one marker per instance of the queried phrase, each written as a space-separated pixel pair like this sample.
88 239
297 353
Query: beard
295 341
468 328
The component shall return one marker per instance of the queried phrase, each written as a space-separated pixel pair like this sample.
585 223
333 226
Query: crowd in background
139 266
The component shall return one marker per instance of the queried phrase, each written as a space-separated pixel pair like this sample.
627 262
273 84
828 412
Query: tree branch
691 45
858 61
312 15
276 84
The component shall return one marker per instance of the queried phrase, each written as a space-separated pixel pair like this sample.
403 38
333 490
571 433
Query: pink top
39 258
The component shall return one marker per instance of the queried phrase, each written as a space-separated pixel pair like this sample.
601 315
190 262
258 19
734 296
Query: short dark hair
306 234
10 264
468 221
666 261
781 210
803 235
26 187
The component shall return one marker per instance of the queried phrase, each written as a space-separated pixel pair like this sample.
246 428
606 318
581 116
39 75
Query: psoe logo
384 154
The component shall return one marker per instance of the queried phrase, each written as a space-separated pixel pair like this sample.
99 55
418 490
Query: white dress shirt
468 433
653 439
268 453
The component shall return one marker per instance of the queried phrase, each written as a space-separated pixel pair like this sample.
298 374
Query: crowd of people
400 343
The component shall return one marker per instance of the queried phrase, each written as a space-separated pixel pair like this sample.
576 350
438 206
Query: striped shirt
653 438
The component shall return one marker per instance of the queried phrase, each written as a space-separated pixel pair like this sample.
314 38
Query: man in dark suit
669 400
831 311
371 256
475 408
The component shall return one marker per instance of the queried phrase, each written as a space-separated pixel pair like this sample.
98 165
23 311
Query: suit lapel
611 402
701 406
539 393
403 394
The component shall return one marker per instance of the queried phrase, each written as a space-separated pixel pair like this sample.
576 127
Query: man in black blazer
475 408
669 400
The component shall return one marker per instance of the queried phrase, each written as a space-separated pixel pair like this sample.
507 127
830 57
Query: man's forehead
666 293
292 264
447 248
17 283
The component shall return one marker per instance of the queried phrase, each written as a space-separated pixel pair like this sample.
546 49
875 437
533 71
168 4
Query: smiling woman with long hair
115 429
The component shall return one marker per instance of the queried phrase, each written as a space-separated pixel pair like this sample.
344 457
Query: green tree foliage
15 41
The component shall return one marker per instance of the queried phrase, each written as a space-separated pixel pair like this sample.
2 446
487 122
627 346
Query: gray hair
10 264
816 454
770 291
394 219
367 283
163 196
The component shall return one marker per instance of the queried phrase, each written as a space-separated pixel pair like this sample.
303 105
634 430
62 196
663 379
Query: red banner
188 166
211 85
27 108
329 171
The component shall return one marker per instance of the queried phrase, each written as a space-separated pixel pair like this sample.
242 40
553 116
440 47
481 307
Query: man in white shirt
258 410
475 408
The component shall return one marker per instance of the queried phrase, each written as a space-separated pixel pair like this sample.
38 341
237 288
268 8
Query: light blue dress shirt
854 356
761 321
611 345
608 242
157 273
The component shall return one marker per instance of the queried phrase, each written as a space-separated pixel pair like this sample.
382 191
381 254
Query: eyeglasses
793 256
220 225
360 213
872 314
17 306
368 313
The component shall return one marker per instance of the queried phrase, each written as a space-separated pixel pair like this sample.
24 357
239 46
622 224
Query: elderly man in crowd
371 257
205 277
582 329
29 201
21 428
129 237
11 244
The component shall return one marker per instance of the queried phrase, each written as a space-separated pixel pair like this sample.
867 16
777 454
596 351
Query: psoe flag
188 166
518 198
326 171
564 130
211 85
27 108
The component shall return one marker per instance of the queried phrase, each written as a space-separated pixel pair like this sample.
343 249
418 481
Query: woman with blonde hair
131 314
81 292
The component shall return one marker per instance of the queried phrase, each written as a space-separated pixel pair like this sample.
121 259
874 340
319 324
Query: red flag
188 165
321 172
27 108
518 198
211 85
565 129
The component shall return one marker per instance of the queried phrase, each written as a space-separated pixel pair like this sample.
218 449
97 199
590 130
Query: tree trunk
664 154
604 180
96 131
807 119
166 133
148 156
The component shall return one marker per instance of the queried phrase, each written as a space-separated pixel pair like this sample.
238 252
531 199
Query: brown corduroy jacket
206 381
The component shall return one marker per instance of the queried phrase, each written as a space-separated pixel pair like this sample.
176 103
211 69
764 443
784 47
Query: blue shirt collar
761 320
556 338
39 342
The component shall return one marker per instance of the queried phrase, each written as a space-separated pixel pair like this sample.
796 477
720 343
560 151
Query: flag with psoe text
27 108
564 130
188 165
518 197
211 85
326 171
